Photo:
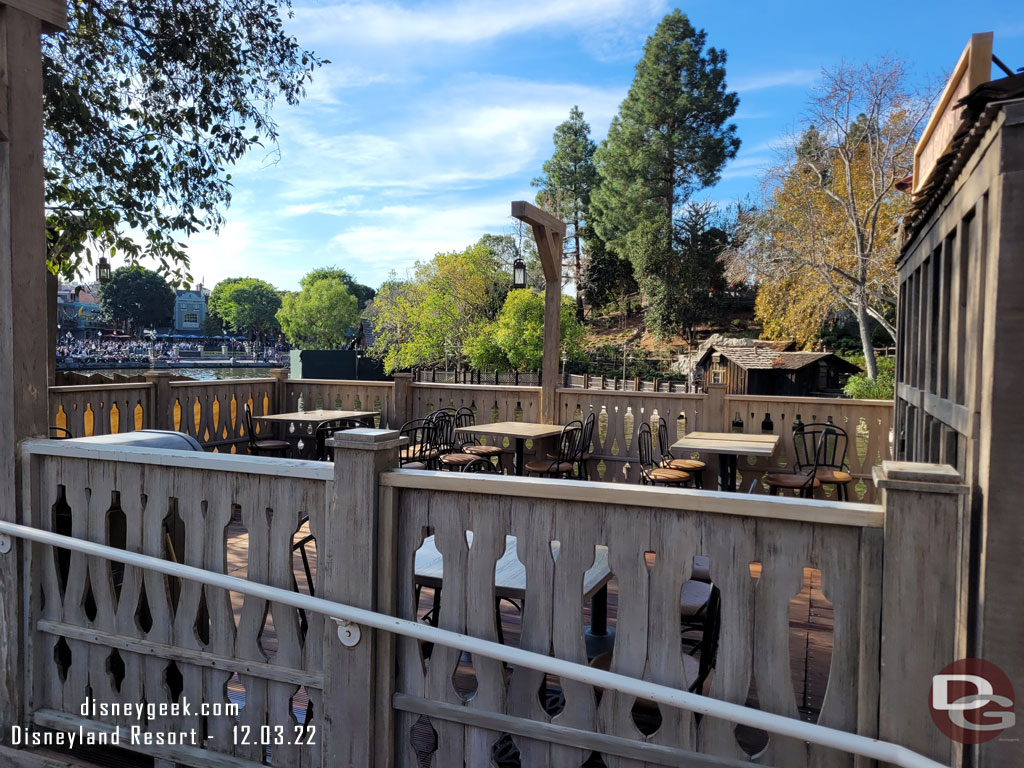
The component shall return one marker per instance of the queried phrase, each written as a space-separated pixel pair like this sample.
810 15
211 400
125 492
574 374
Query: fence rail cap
216 462
919 476
683 499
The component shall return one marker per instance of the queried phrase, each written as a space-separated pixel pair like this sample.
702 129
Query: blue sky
434 116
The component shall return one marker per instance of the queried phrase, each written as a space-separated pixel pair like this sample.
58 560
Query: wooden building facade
764 370
960 373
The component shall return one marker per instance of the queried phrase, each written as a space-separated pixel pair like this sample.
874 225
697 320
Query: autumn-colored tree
825 237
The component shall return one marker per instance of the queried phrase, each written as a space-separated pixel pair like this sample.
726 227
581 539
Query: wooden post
403 399
362 546
161 414
921 605
548 233
24 305
280 376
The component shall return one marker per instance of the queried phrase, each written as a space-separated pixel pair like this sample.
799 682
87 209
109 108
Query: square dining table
301 424
517 431
728 445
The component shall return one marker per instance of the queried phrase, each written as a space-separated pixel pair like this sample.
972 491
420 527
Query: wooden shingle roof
765 358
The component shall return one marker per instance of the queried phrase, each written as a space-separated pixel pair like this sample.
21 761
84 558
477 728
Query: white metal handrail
662 694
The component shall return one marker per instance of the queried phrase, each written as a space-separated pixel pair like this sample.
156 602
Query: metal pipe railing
347 615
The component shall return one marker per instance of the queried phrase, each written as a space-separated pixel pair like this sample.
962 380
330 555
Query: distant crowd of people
127 351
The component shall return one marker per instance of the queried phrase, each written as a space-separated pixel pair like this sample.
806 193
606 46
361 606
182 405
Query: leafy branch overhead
147 103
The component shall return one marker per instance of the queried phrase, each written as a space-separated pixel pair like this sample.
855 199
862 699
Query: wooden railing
213 413
101 409
651 537
117 633
125 633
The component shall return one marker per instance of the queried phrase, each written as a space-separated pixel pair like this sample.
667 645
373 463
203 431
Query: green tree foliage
320 315
882 387
565 189
137 296
364 294
246 305
670 137
516 339
147 103
428 319
684 279
607 277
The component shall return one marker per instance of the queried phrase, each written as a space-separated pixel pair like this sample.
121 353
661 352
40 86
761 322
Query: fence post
403 399
714 417
160 415
280 377
360 532
923 619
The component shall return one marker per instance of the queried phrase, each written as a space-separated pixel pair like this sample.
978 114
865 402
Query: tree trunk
864 323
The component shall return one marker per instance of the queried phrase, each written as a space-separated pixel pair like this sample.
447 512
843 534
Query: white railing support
735 713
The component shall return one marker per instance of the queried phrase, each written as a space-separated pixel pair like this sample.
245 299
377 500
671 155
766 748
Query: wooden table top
317 416
509 572
517 429
728 442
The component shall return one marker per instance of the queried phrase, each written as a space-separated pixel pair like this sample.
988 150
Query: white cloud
457 23
763 80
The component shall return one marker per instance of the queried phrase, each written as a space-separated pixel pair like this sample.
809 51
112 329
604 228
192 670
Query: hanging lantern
518 274
103 270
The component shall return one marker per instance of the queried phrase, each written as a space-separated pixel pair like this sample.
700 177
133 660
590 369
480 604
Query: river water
198 373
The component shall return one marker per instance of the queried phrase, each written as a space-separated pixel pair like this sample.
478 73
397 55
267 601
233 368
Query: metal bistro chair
809 443
586 440
483 466
650 473
570 449
693 467
326 430
60 433
258 446
449 452
466 418
420 453
832 467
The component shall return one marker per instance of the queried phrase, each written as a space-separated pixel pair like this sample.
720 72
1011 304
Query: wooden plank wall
119 633
638 528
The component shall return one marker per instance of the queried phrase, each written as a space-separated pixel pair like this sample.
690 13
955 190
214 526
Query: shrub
882 388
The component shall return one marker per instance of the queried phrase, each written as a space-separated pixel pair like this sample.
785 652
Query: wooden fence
123 633
212 412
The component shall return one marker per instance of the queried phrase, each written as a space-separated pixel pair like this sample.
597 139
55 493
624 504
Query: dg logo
971 701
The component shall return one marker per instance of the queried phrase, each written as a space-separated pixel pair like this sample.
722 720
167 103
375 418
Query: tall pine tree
565 188
669 139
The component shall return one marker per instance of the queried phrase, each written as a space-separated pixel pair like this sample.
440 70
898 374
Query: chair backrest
645 446
327 429
421 440
820 445
587 438
248 424
482 465
663 447
464 417
60 433
570 443
444 425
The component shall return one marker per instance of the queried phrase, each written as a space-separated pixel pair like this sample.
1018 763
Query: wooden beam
548 232
53 13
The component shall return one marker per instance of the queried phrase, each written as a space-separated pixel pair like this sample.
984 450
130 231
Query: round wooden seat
486 451
584 457
686 465
663 475
271 445
542 467
457 459
790 480
829 475
414 465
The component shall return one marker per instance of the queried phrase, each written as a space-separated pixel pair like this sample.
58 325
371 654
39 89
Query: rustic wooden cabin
762 369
